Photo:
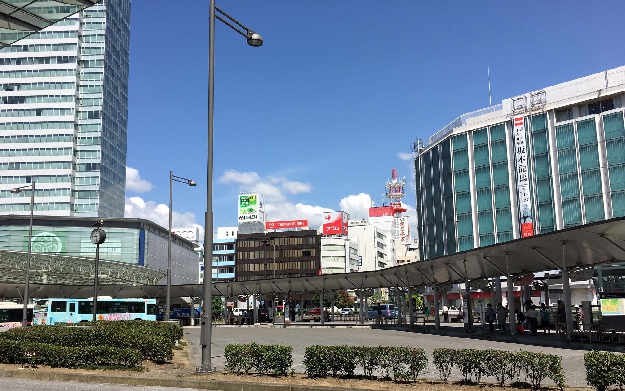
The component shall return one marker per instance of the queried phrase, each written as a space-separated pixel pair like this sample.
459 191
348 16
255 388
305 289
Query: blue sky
318 116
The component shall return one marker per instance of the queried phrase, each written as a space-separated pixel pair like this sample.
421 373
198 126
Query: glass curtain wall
462 189
615 151
542 174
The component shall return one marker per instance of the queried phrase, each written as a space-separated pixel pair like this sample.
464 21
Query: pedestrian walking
445 314
532 314
544 319
501 318
579 318
490 317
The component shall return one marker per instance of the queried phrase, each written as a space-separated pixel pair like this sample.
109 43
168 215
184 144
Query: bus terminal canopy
20 18
586 246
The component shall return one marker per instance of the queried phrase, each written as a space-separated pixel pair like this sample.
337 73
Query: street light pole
17 190
253 39
172 178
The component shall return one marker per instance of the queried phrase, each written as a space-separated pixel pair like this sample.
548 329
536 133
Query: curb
199 384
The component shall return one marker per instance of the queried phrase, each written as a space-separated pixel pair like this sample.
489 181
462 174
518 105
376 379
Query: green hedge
604 369
153 340
398 363
266 359
473 364
33 353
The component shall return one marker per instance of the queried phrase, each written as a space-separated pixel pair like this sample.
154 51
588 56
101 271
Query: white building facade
372 244
339 254
64 115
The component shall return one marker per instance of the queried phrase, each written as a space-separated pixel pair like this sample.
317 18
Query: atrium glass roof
70 270
20 18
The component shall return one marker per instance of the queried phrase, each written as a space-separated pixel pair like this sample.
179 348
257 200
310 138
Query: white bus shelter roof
586 246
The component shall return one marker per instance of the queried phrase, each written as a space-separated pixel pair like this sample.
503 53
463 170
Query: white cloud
404 155
289 211
272 188
135 183
294 187
137 208
356 205
241 178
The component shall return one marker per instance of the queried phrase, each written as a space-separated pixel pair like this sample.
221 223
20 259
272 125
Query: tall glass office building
543 161
64 115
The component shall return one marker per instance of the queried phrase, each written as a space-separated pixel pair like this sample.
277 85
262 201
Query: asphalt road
301 337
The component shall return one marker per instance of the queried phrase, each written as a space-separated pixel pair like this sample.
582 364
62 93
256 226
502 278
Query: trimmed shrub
500 364
153 339
604 369
239 358
316 362
275 359
34 353
369 359
443 359
539 366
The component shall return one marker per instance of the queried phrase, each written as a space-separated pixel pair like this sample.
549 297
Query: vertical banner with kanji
522 178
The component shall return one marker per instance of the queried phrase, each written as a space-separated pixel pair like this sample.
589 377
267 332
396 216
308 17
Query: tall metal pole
168 297
206 325
30 239
511 314
95 283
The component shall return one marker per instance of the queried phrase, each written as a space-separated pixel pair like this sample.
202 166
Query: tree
417 301
344 299
217 306
327 300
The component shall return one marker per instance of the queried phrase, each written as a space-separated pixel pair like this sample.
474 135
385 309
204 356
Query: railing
594 333
462 120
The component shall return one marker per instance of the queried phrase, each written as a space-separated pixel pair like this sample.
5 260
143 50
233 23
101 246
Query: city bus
11 314
53 311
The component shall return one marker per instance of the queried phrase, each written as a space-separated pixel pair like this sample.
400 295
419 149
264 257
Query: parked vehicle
239 312
387 311
314 315
263 315
347 311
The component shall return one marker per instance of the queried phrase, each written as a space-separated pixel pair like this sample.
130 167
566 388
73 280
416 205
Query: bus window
58 306
152 309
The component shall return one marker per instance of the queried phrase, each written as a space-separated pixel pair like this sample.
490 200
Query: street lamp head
254 39
192 183
15 190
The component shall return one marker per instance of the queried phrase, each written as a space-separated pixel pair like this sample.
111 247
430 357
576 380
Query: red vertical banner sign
522 177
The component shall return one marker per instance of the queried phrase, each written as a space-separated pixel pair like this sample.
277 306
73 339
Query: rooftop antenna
490 98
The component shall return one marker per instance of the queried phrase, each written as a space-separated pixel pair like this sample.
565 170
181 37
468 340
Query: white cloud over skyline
276 191
135 183
405 155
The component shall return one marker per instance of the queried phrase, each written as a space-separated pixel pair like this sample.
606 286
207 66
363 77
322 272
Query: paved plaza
301 336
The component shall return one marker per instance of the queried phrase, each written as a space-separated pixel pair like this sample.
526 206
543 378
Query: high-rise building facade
64 115
543 161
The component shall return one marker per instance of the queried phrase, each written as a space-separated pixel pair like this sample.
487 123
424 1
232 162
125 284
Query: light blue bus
53 311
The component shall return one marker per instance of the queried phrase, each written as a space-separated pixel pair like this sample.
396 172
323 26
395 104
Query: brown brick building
278 254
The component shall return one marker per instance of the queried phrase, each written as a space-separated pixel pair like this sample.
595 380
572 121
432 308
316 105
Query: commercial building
278 255
539 162
131 241
568 140
339 255
64 114
373 244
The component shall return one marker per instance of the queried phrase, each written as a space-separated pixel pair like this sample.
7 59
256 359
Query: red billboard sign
381 211
333 223
527 230
286 224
